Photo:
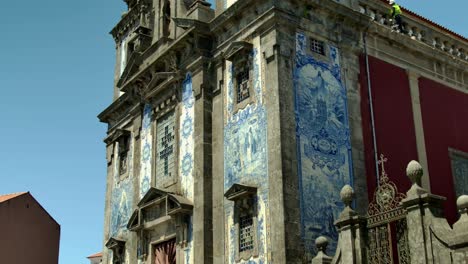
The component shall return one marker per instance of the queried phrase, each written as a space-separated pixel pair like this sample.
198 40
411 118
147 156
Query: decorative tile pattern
186 148
324 149
186 145
245 155
146 150
122 196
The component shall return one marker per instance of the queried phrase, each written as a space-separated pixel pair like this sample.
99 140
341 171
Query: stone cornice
187 23
168 62
228 14
118 109
130 20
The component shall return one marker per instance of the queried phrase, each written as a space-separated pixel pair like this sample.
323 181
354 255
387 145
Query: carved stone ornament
386 196
238 191
462 204
414 171
347 195
321 243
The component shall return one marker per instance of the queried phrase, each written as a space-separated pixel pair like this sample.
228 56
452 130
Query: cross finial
381 162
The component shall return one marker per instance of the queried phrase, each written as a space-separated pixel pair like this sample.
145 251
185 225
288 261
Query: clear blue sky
56 71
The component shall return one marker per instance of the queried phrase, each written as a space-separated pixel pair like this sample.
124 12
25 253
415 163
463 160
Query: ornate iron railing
387 232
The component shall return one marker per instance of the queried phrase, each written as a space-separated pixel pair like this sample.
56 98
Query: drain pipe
371 107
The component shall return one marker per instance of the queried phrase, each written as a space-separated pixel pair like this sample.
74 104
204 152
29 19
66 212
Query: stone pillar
418 126
422 207
351 244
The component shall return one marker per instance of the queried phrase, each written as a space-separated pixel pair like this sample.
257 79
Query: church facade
232 131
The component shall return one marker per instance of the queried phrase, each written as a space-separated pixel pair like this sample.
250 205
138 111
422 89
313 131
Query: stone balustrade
418 29
429 237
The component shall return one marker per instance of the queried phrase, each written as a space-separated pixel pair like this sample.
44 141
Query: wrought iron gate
387 233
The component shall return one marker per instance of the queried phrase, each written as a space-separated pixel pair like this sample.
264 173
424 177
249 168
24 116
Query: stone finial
462 204
347 195
460 227
321 243
414 171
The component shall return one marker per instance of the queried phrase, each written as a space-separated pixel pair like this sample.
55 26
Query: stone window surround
244 200
239 54
162 108
122 136
176 212
455 153
124 143
326 53
118 250
241 63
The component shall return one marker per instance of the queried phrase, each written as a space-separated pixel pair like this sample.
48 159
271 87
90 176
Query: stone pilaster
202 211
418 126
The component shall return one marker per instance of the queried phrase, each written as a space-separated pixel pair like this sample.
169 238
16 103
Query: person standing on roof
395 14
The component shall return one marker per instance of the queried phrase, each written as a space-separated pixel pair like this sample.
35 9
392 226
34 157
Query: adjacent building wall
28 234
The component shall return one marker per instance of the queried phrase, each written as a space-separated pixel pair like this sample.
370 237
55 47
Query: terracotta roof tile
7 197
95 255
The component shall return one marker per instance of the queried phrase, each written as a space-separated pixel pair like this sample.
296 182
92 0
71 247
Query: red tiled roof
463 38
95 255
7 197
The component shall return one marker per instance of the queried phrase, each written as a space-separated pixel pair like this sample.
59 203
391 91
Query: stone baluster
435 43
321 243
372 14
362 9
380 18
351 226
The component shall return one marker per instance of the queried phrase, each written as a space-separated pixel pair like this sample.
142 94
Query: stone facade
232 130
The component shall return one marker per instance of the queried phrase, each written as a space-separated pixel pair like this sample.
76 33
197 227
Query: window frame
457 154
239 65
245 200
124 142
163 110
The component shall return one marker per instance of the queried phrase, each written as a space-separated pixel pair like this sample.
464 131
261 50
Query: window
246 233
165 156
124 149
118 250
242 80
459 162
317 46
241 55
245 219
